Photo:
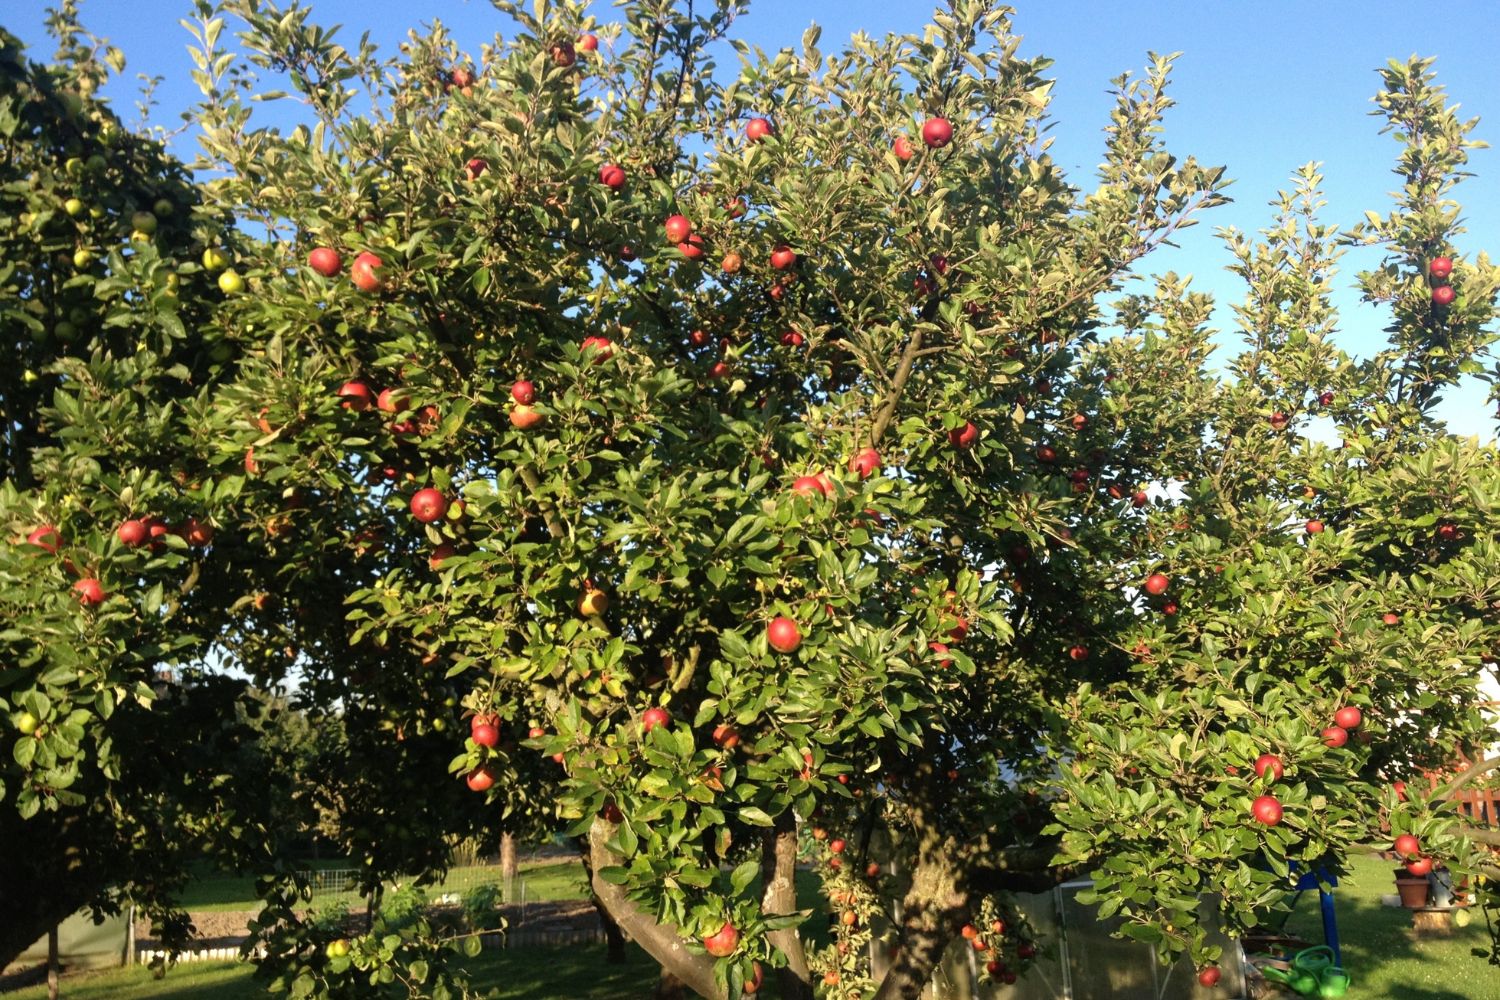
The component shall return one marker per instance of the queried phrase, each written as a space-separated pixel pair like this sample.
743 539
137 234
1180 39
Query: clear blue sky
1262 87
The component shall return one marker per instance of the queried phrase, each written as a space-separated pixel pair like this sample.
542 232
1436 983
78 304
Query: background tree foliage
891 390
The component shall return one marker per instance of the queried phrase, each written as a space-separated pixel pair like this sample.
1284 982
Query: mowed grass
576 973
214 893
1382 955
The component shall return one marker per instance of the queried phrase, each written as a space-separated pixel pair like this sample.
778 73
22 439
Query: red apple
1157 584
726 736
1325 398
1348 717
1440 267
1268 762
588 42
1209 976
692 248
677 228
1266 810
1025 950
462 77
428 504
808 485
1447 532
941 651
196 533
1334 736
535 733
653 717
722 943
783 258
45 537
612 176
440 555
1407 846
1390 618
602 348
325 261
1399 787
476 167
757 129
719 369
362 272
132 532
865 463
90 592
965 436
836 846
524 418
1078 653
485 734
783 634
1419 867
937 133
1046 453
1314 527
356 395
792 338
480 779
902 148
563 54
523 392
1138 499
1278 420
1443 295
753 984
391 400
612 813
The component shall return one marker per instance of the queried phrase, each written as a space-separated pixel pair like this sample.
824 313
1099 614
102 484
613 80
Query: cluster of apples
362 272
996 967
359 396
1439 269
134 532
1266 809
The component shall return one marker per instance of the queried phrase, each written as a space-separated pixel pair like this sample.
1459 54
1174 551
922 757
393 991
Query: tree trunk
52 963
779 877
934 908
508 865
663 942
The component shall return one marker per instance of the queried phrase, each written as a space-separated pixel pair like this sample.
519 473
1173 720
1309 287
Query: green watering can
1312 974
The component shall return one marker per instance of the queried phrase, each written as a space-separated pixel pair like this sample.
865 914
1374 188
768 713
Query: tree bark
663 942
779 877
508 865
933 909
52 963
614 938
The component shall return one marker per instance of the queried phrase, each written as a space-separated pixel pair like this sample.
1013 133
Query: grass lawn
1381 955
214 893
578 973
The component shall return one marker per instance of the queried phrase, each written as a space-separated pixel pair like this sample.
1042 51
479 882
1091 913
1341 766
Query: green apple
74 166
66 332
215 259
27 723
230 283
163 208
74 207
96 164
83 258
143 222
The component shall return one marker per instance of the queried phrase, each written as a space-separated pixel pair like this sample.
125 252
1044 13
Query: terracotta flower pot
1413 891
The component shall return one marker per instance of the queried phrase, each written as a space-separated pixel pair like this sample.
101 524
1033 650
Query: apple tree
773 463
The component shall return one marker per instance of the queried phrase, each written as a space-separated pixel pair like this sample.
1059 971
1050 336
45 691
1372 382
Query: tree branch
903 372
663 942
